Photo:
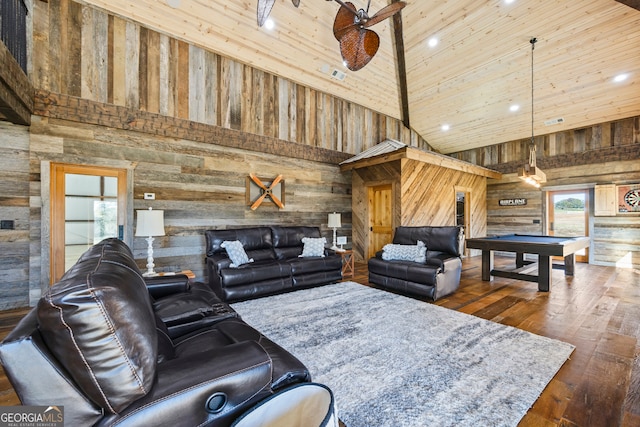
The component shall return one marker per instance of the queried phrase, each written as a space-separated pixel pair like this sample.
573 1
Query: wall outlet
149 196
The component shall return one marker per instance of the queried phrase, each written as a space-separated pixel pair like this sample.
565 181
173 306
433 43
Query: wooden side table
348 265
187 273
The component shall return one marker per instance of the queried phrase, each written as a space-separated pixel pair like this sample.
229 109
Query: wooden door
380 217
88 204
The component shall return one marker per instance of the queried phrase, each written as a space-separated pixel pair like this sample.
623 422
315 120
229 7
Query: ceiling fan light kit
531 174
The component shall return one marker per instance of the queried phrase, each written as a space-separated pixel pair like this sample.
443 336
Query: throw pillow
313 246
236 253
415 253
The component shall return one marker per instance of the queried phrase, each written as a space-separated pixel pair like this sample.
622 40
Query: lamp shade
334 220
150 223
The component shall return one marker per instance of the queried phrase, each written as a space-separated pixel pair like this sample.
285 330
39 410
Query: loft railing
13 29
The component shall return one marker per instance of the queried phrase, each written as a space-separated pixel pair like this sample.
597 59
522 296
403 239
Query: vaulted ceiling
468 81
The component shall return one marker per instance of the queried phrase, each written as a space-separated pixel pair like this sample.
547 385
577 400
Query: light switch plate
149 196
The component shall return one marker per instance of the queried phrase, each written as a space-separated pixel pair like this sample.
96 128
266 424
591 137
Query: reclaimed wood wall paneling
105 58
15 205
198 185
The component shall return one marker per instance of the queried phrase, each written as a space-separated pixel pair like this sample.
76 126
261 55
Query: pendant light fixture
530 173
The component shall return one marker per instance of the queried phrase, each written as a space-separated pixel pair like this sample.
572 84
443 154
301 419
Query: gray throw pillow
415 253
236 253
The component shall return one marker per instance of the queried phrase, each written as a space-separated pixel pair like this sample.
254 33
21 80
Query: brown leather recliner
95 345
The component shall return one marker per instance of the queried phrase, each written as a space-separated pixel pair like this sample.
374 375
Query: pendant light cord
532 145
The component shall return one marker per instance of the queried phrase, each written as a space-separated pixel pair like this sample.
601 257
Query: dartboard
632 198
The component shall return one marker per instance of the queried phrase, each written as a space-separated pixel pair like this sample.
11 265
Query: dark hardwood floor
597 310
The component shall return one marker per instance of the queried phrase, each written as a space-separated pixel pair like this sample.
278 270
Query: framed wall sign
628 198
512 202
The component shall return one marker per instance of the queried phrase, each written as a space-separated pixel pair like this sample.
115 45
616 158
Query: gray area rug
394 361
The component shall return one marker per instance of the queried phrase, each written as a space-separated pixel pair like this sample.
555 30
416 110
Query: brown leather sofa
97 345
277 266
437 276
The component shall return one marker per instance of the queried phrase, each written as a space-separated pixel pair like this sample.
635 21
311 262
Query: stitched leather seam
75 344
111 327
268 355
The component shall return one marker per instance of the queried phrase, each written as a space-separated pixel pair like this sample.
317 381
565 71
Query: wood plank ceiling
479 69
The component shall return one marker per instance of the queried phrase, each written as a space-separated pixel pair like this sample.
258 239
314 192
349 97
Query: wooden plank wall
596 140
199 186
16 102
85 52
15 206
429 196
603 154
424 194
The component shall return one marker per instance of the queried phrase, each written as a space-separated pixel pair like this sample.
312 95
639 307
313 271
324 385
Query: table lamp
150 223
334 222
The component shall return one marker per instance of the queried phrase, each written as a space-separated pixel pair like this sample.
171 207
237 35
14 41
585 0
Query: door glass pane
91 212
568 214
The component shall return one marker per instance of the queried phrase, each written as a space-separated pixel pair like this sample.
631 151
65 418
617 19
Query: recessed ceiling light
174 3
620 77
433 41
514 107
445 128
269 24
509 1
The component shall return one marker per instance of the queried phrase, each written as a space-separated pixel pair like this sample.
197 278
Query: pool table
544 246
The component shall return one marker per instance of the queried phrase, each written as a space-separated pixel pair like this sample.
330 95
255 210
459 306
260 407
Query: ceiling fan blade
385 12
345 20
358 47
264 9
296 3
347 5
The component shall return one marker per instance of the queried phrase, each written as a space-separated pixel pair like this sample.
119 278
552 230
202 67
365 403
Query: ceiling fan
358 44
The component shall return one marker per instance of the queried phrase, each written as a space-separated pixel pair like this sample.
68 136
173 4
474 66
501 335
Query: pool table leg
487 264
544 273
519 259
569 264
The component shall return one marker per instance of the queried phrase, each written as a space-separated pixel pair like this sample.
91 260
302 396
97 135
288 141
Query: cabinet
605 200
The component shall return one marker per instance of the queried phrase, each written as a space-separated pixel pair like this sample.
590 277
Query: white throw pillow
236 253
313 246
415 253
